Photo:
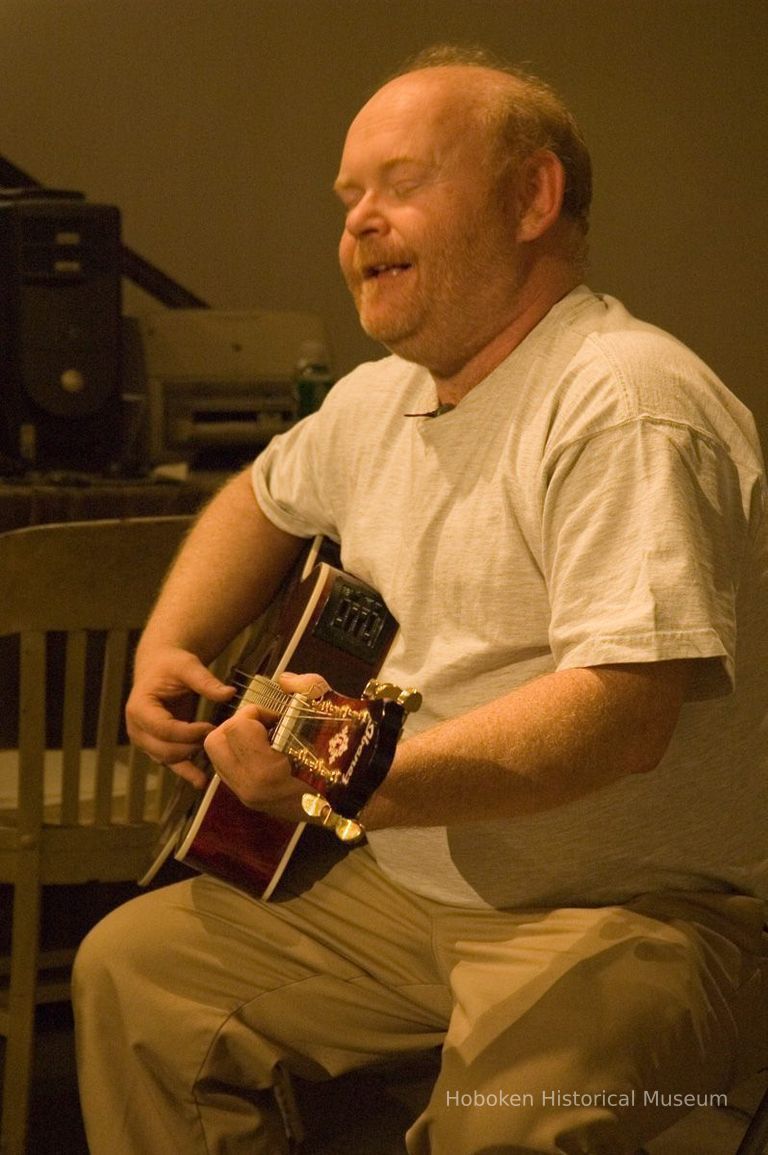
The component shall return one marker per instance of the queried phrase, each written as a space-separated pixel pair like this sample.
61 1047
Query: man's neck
451 388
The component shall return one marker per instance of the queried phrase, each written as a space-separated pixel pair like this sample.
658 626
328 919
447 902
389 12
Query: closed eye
405 188
349 195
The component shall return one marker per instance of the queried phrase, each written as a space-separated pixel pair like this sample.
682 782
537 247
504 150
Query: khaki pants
577 1030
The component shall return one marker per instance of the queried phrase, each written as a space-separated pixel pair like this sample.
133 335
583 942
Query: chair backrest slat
72 725
32 713
139 767
110 708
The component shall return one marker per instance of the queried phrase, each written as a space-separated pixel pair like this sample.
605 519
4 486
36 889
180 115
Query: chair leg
19 1051
755 1139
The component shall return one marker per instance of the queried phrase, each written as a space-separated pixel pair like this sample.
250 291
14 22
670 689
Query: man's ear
541 186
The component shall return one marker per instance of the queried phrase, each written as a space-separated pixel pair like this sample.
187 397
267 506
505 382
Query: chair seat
53 785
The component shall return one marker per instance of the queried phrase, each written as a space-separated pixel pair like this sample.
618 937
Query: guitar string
262 691
299 744
271 697
273 694
302 715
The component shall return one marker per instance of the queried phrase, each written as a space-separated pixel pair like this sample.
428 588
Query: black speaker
60 305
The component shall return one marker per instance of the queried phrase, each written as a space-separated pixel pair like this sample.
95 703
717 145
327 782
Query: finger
214 689
240 751
243 732
190 772
156 722
168 753
253 713
199 679
311 685
164 737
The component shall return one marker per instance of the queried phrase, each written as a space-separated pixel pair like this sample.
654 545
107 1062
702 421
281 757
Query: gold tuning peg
410 700
374 689
320 813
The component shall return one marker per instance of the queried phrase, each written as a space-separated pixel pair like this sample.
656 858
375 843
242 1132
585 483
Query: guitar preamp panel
356 621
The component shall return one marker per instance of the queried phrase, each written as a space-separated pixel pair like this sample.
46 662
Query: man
565 868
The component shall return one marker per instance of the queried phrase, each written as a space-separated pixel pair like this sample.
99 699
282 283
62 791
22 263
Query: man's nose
367 216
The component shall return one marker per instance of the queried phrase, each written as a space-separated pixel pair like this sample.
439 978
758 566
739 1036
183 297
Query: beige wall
216 125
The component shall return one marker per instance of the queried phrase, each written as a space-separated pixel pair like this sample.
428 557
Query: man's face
428 249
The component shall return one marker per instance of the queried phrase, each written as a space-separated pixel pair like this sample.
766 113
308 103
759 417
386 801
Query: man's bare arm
555 739
227 572
549 742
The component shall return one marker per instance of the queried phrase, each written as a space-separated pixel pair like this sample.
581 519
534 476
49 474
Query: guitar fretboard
263 692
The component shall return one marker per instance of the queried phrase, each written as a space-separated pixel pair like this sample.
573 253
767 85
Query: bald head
474 90
520 114
444 109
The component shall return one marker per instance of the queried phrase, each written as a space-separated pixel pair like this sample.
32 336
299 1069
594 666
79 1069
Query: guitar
340 744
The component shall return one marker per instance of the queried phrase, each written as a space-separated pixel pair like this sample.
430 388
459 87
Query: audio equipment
60 305
221 383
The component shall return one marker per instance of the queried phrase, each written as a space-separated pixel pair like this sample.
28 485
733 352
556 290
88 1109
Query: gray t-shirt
598 498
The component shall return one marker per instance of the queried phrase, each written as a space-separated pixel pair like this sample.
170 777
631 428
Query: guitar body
331 624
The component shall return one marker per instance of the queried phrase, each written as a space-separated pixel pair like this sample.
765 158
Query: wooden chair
76 805
755 1141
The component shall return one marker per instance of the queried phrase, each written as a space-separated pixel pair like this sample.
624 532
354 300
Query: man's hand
240 753
160 710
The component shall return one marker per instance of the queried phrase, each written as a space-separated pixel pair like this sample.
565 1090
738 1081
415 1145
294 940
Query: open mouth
373 272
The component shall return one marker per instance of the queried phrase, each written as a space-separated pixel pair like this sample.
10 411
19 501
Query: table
48 498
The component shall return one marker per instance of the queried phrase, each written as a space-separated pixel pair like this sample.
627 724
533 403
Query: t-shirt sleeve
645 532
291 482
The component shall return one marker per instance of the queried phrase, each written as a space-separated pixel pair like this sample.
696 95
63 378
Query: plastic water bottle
313 377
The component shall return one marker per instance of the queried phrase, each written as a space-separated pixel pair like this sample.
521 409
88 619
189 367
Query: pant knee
122 944
93 956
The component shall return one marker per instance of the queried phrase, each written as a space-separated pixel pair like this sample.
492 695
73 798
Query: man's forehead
417 115
437 92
